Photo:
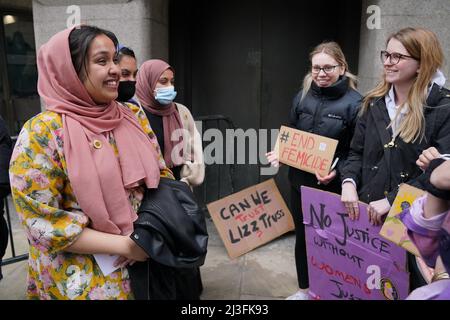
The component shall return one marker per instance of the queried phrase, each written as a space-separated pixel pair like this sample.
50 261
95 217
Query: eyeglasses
326 69
393 57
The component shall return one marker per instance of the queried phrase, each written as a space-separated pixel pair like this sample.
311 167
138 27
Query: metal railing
14 257
219 178
5 201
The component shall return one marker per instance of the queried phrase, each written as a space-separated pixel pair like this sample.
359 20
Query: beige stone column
395 15
142 25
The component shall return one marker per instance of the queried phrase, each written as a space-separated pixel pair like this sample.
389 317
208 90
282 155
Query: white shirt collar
390 98
438 78
392 110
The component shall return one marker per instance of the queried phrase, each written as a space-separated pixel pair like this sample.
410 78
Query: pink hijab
147 78
98 177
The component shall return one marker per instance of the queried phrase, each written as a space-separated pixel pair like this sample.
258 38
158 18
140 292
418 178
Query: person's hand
440 177
377 209
122 262
426 157
327 179
350 199
132 251
272 157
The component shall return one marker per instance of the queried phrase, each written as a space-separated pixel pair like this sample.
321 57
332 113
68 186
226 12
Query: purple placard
446 223
344 256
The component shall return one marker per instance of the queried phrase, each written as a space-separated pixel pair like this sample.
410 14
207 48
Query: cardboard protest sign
393 228
251 218
305 151
348 260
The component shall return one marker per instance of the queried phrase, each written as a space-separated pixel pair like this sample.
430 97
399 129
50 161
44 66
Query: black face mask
126 90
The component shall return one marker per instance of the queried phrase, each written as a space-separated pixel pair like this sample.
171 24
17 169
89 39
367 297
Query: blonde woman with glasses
328 106
407 113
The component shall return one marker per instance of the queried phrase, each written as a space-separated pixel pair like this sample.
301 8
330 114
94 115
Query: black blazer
377 167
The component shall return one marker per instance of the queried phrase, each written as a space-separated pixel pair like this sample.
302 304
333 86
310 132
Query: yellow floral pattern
53 220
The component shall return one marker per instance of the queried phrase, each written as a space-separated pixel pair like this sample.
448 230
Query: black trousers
151 280
301 259
3 231
3 236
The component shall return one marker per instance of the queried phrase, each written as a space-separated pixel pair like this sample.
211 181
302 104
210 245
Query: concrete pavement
267 272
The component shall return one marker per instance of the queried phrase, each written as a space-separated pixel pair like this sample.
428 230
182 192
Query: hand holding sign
350 200
330 177
306 151
377 210
272 157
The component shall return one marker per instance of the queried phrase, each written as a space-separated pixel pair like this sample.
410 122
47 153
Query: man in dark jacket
5 156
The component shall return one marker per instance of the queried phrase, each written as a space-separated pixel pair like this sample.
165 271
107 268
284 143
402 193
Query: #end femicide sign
349 260
306 151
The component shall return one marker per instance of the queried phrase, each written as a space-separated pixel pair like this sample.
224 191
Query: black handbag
171 228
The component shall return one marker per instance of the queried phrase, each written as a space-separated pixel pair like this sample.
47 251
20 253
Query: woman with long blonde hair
406 113
328 106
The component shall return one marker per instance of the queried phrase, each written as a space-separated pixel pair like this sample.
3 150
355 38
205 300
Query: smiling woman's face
403 72
322 78
103 72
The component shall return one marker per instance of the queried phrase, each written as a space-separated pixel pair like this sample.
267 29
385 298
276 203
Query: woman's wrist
347 181
122 245
434 206
440 276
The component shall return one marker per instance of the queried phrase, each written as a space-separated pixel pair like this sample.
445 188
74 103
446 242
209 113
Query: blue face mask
165 95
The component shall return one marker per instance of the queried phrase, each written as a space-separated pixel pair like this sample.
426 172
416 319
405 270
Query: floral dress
53 220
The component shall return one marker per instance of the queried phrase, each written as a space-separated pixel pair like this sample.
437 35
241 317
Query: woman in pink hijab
78 172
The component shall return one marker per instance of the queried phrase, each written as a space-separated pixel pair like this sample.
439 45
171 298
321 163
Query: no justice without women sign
349 260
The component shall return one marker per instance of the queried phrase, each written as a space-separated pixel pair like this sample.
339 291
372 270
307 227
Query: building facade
241 59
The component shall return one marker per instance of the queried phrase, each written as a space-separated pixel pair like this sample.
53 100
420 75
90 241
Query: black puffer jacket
377 167
329 112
